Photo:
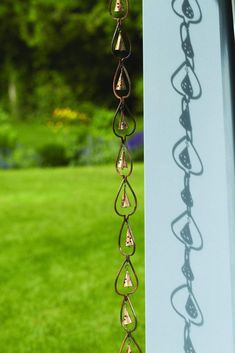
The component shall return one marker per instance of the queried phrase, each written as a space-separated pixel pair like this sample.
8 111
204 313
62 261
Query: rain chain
124 125
185 82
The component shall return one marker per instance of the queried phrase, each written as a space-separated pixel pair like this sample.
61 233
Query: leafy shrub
23 157
99 150
50 91
8 136
102 122
53 155
73 140
8 139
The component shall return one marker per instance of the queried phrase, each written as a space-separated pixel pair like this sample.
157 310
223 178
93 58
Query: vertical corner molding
227 26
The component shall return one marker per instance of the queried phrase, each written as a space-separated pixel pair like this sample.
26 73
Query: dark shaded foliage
57 53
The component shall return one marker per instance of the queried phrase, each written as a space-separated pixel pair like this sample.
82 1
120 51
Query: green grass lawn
58 260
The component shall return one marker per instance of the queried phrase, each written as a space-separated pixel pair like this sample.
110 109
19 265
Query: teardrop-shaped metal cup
121 82
130 342
121 46
125 189
124 162
124 124
128 317
126 282
119 9
126 240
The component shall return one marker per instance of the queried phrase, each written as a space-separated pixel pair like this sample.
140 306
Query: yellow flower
69 115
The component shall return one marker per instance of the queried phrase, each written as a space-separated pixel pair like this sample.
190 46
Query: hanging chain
124 125
185 81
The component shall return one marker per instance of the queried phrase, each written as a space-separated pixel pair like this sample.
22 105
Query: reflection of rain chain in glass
124 125
185 82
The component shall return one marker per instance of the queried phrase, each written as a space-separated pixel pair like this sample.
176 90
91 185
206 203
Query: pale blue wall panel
212 193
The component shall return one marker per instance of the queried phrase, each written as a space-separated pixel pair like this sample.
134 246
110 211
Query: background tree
56 53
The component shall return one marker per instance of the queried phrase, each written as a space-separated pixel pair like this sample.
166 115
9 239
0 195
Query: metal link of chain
124 125
186 83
